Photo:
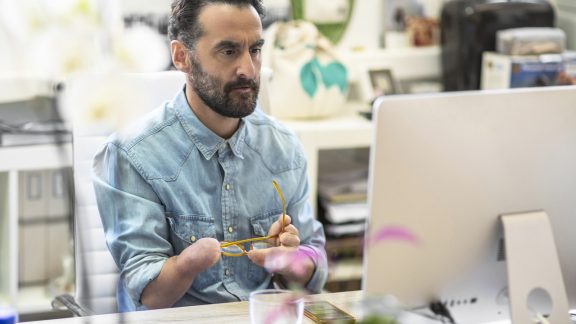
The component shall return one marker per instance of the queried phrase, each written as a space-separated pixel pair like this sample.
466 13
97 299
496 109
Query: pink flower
292 261
391 233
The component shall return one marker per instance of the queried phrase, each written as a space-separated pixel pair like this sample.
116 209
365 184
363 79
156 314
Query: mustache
241 83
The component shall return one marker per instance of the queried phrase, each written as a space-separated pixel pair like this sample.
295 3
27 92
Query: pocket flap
261 224
192 228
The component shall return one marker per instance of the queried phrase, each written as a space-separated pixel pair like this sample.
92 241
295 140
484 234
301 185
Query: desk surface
233 313
230 313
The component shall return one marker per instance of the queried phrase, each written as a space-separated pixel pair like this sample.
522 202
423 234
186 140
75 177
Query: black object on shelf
468 28
31 122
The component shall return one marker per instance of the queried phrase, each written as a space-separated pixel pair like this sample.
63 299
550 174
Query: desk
236 313
232 313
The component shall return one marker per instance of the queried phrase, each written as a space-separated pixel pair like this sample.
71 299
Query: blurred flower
59 38
104 103
142 49
63 52
391 233
294 261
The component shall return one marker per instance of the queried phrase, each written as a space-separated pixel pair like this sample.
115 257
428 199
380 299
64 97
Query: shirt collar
207 142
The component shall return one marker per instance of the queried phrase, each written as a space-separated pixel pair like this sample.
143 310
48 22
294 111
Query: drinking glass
276 306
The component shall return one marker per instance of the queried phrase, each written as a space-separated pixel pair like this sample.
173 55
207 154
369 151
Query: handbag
307 80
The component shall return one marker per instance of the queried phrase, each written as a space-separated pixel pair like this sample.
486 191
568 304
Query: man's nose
247 66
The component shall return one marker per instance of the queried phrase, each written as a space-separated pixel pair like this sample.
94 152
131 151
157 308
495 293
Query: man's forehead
221 19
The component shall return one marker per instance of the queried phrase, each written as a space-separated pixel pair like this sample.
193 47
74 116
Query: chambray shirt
169 181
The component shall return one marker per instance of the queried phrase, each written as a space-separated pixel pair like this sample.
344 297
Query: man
198 171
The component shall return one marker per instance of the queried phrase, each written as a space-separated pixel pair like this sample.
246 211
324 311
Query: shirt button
230 229
227 186
193 238
226 272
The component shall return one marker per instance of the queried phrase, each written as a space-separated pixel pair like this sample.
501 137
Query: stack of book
343 208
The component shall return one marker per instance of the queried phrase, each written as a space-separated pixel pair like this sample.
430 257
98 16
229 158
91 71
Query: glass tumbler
276 306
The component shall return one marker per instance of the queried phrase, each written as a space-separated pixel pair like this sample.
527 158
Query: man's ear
180 56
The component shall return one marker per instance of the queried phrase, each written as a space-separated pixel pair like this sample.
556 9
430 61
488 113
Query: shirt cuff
318 278
136 280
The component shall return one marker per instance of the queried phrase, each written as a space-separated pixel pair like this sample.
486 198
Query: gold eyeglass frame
256 239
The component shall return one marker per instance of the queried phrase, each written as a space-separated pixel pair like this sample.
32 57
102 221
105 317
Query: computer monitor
444 168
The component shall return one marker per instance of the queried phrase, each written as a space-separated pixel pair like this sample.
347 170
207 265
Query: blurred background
388 47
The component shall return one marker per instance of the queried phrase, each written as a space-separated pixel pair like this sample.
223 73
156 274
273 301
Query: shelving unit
13 161
345 264
347 131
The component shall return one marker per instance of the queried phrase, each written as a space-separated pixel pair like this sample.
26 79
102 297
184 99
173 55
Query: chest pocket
260 226
186 230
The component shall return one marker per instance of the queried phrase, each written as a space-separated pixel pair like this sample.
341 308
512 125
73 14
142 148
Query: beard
219 96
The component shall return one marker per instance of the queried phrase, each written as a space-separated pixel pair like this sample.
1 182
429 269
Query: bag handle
279 31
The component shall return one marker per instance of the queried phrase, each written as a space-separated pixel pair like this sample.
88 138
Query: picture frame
382 82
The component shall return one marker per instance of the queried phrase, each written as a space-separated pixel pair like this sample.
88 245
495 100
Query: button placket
226 161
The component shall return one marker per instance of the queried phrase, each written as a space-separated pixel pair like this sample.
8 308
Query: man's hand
284 258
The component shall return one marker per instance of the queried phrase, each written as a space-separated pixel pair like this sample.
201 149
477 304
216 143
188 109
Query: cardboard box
500 71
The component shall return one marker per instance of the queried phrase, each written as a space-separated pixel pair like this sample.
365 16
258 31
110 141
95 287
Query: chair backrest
96 105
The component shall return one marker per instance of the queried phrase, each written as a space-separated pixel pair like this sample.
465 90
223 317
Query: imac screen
444 168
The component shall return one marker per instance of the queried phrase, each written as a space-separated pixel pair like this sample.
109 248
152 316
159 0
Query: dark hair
183 24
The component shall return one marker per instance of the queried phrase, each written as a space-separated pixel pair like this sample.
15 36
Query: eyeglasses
236 248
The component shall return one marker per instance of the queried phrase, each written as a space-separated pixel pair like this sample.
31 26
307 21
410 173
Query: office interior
389 48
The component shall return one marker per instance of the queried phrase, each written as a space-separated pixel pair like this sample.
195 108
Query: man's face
225 65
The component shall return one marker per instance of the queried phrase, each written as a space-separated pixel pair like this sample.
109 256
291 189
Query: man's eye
229 52
256 50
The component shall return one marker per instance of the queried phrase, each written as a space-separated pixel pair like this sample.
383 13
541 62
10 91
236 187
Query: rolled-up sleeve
133 218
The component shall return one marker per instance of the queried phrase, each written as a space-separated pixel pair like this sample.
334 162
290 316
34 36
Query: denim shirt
169 181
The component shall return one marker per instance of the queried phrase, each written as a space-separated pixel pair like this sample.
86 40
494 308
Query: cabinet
348 131
34 223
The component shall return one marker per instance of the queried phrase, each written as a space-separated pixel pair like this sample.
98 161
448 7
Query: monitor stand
535 280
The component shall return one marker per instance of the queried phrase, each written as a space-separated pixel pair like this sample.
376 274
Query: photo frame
376 81
382 82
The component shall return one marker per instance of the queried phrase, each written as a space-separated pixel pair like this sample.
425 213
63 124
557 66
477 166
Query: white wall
364 28
148 6
566 20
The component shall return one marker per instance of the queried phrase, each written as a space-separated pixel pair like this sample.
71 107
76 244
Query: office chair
96 105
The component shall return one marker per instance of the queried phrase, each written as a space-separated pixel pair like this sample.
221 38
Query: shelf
340 286
344 131
44 160
34 299
337 248
18 87
34 157
345 270
405 63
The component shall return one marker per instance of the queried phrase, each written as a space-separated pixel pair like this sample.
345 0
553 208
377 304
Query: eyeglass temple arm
283 203
254 239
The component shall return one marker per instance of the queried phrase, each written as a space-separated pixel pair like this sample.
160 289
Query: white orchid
70 39
58 38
